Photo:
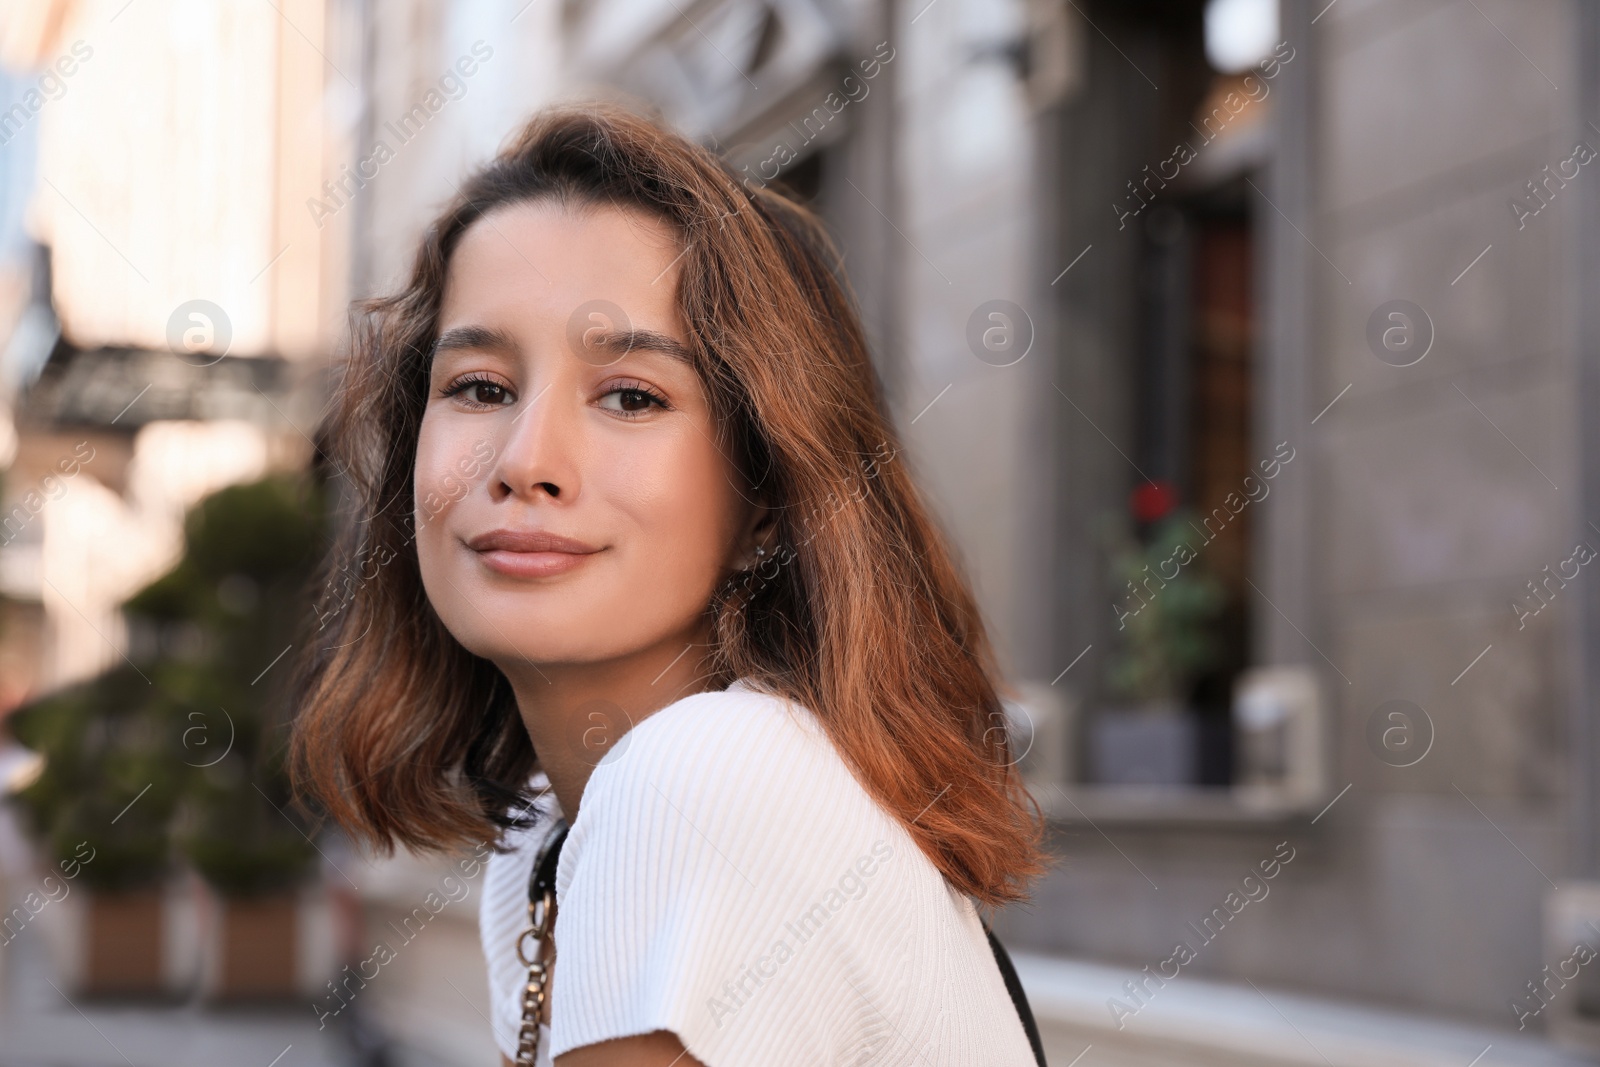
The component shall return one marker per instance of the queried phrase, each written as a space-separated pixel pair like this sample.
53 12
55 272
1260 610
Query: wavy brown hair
403 736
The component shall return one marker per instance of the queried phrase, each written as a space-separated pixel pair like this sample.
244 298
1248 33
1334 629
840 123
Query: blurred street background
1248 349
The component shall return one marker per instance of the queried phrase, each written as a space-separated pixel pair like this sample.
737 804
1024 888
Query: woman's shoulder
735 755
728 878
723 796
711 726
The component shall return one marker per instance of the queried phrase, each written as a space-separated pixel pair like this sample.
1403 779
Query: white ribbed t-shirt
729 879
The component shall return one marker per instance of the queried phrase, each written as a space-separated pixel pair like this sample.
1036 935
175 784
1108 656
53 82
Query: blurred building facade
1402 554
1095 251
155 162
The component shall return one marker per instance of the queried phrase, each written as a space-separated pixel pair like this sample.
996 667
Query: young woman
634 547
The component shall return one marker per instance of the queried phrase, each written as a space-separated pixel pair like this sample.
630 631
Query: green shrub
185 747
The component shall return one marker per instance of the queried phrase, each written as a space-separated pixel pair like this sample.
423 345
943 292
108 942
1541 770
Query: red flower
1152 500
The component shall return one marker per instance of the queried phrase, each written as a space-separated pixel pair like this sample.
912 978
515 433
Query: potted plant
243 584
179 747
102 806
253 861
1167 608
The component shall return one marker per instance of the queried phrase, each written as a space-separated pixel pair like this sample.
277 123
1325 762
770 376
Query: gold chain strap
533 995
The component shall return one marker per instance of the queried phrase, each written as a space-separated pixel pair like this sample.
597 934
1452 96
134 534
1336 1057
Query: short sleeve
729 880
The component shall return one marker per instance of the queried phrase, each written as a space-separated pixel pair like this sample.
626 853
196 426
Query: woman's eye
629 401
481 392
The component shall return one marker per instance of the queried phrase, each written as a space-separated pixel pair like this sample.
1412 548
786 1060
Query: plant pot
1153 744
123 943
133 943
256 948
270 947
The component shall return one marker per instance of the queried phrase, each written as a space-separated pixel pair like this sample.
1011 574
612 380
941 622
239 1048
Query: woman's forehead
547 263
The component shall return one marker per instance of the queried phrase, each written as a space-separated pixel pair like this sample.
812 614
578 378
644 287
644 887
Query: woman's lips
529 553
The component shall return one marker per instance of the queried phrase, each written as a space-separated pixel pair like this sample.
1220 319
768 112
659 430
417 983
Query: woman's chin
567 647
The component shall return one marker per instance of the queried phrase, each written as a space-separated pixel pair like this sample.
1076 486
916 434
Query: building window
1173 303
1194 411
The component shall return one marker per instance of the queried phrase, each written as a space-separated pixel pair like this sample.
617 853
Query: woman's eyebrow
620 343
473 337
625 341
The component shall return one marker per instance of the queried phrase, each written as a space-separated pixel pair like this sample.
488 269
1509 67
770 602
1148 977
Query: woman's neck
575 713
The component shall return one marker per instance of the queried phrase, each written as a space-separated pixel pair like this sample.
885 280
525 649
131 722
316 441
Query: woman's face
572 503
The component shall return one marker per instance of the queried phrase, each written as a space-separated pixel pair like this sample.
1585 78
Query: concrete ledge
1166 806
1200 1021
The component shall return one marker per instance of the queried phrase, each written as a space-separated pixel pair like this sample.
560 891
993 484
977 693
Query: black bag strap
531 942
543 878
543 874
1019 998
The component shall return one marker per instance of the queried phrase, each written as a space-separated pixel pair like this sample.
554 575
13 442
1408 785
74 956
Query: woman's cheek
707 526
680 499
436 486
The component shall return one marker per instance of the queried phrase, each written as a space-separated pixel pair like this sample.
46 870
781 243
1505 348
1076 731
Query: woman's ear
757 539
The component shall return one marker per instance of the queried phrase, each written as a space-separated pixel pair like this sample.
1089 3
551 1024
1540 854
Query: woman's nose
538 457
